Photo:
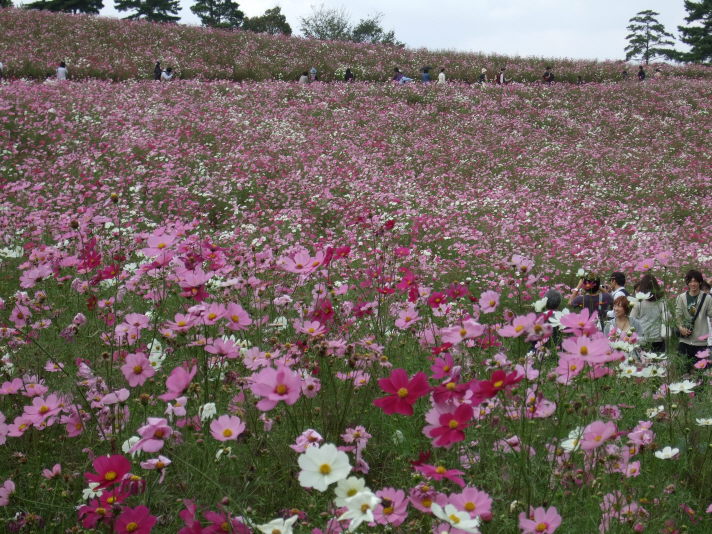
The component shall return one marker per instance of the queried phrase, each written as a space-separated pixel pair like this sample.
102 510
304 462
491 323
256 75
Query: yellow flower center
100 511
440 470
160 465
235 318
584 351
352 492
463 332
388 510
365 508
427 503
110 475
518 328
212 315
402 393
454 519
325 469
132 527
470 506
137 369
453 423
541 527
281 389
499 383
451 385
44 409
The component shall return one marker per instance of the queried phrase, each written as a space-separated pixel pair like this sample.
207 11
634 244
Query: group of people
649 317
159 74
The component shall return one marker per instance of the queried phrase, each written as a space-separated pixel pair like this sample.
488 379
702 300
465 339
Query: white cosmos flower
457 518
652 412
573 442
207 411
540 304
278 526
91 492
639 297
667 453
128 444
360 509
704 422
348 487
685 386
322 466
555 319
581 272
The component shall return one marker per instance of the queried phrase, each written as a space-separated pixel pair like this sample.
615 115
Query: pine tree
698 37
68 6
153 10
218 13
273 22
5 3
647 38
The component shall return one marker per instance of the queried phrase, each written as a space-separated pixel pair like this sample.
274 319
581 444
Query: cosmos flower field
266 307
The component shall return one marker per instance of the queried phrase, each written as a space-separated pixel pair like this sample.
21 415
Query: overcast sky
584 29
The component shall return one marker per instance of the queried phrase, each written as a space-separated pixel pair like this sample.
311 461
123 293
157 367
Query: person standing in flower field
441 77
167 75
348 76
692 309
705 288
501 78
62 72
548 75
616 287
641 73
652 313
157 71
588 294
1 69
304 78
482 79
313 75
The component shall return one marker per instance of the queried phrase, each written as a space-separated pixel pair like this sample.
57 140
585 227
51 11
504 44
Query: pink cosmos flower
404 391
134 521
3 429
486 389
407 317
192 284
275 385
90 514
225 348
540 521
443 367
521 263
213 313
157 244
306 439
520 325
152 435
51 473
451 427
596 434
312 328
237 318
20 315
473 501
583 323
137 369
44 410
177 381
109 470
438 472
393 508
7 489
469 329
301 262
594 349
489 300
227 427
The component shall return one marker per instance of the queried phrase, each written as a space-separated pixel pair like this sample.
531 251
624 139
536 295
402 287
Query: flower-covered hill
602 175
33 42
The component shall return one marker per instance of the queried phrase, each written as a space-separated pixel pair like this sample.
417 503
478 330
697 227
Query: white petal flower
348 487
278 526
91 492
652 412
540 305
322 466
573 442
704 422
685 386
207 411
457 518
360 509
667 453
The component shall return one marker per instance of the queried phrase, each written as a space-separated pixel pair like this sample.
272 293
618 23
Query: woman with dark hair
588 294
651 313
692 309
622 326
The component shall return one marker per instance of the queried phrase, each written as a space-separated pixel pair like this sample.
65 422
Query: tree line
648 38
323 23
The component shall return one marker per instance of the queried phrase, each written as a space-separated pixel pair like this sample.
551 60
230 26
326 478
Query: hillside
33 42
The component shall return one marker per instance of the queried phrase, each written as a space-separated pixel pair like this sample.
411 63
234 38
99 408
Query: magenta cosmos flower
178 380
540 521
227 427
403 392
152 435
137 369
274 385
393 508
452 427
109 470
135 521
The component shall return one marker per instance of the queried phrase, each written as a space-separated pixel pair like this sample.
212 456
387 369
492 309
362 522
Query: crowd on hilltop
645 317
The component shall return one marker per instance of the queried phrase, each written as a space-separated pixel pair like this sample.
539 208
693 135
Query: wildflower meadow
266 307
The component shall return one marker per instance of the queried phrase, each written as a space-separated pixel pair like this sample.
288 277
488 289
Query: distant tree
273 21
369 30
334 25
698 37
218 13
5 3
67 6
647 38
153 10
327 24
